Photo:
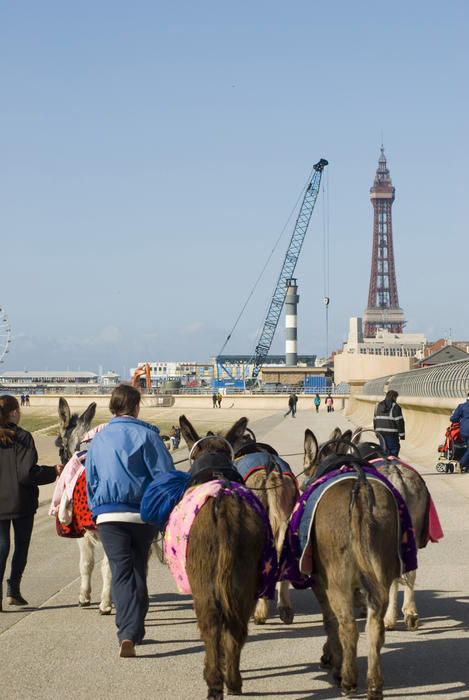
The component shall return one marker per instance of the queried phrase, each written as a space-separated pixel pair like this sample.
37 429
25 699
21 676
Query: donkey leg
261 613
390 618
409 608
341 603
105 605
86 547
210 625
375 635
332 650
232 652
285 609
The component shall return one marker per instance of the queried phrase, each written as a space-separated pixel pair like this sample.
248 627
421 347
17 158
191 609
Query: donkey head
313 454
211 443
72 428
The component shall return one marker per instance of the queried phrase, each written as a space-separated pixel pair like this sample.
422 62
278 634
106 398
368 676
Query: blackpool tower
383 309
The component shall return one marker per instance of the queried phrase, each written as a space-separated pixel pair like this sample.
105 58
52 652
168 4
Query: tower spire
383 309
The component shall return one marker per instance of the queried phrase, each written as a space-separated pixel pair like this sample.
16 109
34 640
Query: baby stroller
451 451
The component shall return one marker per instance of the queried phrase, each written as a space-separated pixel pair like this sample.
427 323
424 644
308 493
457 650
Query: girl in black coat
20 477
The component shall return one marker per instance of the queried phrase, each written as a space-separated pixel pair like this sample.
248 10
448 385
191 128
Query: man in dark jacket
461 415
389 422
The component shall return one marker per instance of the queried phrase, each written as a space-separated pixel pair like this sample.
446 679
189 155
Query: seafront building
57 382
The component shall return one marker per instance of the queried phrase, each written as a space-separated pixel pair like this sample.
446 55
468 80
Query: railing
448 380
340 389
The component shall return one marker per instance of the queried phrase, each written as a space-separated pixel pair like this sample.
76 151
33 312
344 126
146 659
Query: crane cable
266 264
326 255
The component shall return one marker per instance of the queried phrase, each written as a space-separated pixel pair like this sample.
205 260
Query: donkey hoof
349 692
412 622
389 626
106 611
286 615
83 603
232 691
259 620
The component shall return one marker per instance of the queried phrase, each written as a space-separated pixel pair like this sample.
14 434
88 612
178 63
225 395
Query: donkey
277 490
353 544
72 429
415 493
223 563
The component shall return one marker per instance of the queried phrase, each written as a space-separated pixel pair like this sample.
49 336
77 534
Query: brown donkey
223 564
354 541
276 488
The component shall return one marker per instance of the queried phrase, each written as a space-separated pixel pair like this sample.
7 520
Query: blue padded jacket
121 461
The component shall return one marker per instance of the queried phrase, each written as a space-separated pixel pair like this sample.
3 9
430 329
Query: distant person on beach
317 402
214 399
219 398
292 401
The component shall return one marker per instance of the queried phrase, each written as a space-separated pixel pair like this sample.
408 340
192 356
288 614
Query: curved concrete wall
426 421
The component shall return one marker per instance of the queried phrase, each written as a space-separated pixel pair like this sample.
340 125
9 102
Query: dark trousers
464 461
392 443
127 546
22 529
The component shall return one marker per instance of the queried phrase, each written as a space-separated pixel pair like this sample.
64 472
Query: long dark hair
8 404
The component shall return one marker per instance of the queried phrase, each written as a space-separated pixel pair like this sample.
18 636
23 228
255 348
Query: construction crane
288 268
144 370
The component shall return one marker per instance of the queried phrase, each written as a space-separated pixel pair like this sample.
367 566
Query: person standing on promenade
329 403
388 421
20 476
292 401
214 399
461 415
219 398
317 402
121 462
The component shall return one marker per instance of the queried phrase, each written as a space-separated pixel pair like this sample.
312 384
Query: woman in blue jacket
121 461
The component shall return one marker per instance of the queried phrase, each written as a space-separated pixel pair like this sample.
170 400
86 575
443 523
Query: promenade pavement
54 649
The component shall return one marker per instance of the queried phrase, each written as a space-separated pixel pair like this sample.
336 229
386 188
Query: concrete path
54 649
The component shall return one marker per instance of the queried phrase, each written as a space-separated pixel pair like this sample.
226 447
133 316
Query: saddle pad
81 514
434 529
180 523
297 562
260 460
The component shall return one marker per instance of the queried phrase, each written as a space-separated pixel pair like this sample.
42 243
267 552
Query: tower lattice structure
383 309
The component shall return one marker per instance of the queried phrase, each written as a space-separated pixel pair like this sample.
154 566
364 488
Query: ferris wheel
5 334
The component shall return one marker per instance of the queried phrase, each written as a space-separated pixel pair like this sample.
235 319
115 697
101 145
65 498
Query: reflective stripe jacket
388 419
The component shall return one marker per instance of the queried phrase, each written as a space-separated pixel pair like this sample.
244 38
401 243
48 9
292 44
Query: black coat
20 476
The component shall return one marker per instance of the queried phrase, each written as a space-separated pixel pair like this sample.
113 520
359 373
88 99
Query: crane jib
288 267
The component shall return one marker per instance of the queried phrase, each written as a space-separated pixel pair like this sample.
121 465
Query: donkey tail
236 578
364 534
281 498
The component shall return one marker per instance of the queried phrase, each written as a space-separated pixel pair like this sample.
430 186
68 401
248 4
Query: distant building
363 358
188 373
238 368
57 382
443 351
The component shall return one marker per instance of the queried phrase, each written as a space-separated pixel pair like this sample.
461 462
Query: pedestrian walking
121 462
20 476
388 422
26 400
317 402
329 403
22 400
214 399
461 415
292 401
219 398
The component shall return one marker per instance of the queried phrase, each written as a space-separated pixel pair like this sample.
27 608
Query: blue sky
152 153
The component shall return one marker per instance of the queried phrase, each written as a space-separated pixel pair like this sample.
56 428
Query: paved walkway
54 649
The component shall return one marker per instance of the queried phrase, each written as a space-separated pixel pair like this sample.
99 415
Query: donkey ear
311 448
335 435
64 413
236 431
347 435
188 431
84 421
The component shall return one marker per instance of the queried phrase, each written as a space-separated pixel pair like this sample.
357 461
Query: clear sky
152 153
